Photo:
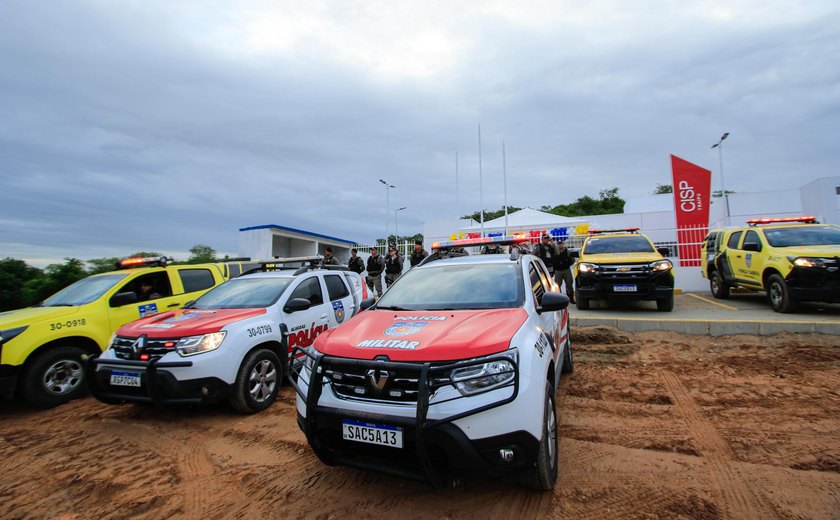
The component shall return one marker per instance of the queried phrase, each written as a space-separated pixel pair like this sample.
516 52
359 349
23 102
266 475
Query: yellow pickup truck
793 259
623 264
41 347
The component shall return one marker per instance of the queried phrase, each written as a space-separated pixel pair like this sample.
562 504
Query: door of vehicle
193 281
159 299
725 263
548 321
304 326
341 298
753 259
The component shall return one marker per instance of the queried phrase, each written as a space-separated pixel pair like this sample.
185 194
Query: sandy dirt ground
652 425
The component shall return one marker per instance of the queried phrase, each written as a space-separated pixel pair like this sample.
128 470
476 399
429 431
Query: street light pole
387 209
396 232
719 146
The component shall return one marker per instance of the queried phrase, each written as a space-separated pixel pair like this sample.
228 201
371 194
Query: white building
273 241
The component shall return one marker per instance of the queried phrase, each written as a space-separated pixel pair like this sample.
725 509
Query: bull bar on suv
429 378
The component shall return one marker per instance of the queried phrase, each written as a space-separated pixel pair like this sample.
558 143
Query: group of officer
391 265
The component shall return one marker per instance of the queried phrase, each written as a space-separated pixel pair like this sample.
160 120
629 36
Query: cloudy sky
157 125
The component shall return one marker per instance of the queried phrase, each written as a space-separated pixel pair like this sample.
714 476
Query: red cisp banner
692 192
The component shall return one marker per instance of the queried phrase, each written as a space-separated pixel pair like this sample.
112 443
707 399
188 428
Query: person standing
356 264
546 252
393 266
375 266
418 254
329 259
563 263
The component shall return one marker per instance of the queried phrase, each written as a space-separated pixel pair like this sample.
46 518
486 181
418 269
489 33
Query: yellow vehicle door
735 257
191 281
751 249
132 299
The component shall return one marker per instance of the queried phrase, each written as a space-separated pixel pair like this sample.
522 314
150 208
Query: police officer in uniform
546 251
329 259
393 266
375 266
418 254
563 262
356 264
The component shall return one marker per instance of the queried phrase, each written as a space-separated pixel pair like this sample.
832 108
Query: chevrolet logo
623 269
139 344
378 379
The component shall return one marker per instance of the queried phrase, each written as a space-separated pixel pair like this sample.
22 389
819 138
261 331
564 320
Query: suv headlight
661 265
483 377
193 345
805 261
587 268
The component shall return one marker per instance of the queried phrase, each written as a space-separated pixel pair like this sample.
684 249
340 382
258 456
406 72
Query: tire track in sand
736 497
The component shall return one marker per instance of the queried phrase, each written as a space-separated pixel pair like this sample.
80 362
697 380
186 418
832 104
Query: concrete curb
711 327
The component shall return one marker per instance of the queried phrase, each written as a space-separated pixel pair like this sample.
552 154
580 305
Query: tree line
608 202
22 285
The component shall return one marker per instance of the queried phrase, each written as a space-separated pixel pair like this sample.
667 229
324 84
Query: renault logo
378 378
139 344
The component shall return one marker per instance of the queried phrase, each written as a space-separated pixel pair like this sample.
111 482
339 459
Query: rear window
335 287
628 244
733 240
196 279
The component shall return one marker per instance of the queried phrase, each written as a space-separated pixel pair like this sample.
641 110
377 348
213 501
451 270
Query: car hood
812 251
423 335
186 322
621 258
30 315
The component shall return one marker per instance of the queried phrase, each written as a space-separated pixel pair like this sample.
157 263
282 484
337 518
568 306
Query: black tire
718 287
665 304
54 377
545 470
568 355
582 303
779 295
257 382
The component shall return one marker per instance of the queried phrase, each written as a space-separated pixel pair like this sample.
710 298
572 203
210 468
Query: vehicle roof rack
301 264
810 219
621 230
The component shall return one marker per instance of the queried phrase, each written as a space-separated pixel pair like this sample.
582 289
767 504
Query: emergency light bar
504 240
148 261
805 220
624 230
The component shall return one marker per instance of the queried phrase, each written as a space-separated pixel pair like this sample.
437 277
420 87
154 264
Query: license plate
379 434
125 379
625 288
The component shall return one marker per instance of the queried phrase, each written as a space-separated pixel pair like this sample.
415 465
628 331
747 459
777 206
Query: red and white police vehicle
453 370
233 342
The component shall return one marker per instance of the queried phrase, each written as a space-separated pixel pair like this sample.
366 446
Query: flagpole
480 181
504 176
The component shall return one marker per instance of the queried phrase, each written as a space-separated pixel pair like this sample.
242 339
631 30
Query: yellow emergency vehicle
623 264
41 347
792 259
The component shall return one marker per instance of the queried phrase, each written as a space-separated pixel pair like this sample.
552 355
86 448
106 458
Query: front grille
155 348
400 386
624 270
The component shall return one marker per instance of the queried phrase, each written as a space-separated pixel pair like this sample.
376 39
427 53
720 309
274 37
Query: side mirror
574 254
554 301
664 251
297 304
751 246
123 298
367 303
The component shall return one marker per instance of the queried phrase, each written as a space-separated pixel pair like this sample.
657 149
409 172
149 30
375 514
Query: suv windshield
628 244
470 286
243 293
84 291
803 236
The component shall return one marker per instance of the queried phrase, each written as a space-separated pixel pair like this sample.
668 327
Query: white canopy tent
526 220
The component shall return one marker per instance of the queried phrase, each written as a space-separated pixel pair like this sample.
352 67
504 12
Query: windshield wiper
393 308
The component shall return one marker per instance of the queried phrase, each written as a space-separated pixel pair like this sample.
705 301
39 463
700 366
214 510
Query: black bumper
433 450
650 287
814 285
157 385
8 381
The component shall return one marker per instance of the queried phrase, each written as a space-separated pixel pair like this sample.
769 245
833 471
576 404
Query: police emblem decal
404 328
749 259
338 309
